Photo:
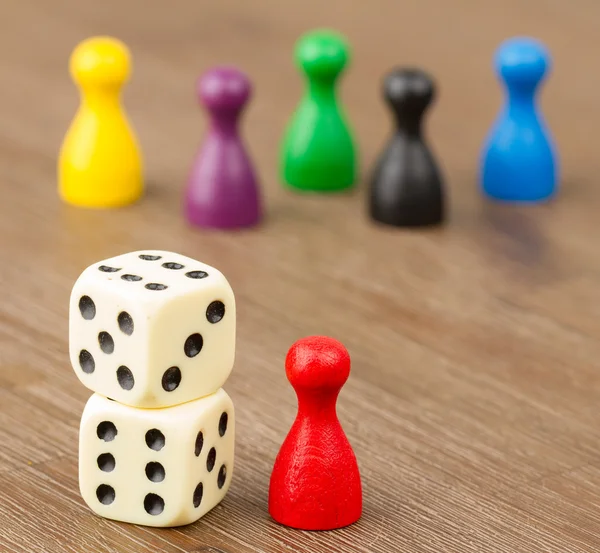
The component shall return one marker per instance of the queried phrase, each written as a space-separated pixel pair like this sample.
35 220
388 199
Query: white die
156 467
152 329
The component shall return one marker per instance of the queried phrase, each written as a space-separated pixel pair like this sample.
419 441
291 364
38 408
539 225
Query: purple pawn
222 190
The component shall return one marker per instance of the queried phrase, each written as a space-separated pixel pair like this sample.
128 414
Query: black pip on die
153 335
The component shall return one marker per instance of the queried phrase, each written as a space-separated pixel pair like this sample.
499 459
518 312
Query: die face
152 329
151 466
106 342
192 344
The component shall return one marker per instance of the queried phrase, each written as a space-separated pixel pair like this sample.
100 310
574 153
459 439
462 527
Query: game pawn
406 188
315 483
152 334
318 152
100 163
222 189
519 162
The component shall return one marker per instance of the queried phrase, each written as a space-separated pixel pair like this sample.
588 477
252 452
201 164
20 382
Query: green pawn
318 151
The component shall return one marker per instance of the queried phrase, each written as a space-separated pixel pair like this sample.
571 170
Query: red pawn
315 483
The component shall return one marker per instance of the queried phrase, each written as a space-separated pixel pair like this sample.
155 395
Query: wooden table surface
473 400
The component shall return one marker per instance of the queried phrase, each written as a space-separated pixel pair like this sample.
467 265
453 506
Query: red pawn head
317 363
315 483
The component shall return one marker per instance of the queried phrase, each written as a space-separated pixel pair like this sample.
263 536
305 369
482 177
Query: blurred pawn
519 160
222 190
100 163
406 188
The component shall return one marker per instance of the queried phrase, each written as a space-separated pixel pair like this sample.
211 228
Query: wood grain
473 400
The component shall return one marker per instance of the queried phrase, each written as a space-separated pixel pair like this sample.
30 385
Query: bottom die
156 467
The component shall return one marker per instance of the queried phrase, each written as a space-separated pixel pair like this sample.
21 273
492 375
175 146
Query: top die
152 329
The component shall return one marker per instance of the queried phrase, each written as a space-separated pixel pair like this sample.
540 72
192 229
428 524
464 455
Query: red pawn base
322 508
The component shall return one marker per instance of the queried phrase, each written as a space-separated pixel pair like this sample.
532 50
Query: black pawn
406 187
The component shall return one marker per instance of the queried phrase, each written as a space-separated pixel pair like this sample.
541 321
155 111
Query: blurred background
454 40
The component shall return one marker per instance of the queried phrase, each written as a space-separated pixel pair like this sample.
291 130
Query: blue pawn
519 161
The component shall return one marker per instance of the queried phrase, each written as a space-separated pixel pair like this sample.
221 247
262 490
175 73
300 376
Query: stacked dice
152 334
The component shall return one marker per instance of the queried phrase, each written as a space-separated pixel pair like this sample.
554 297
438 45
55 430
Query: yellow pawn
100 163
